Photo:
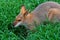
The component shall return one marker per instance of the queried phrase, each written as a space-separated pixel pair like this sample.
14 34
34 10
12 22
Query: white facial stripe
19 23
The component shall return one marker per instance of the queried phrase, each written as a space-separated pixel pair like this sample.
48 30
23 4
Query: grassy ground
8 11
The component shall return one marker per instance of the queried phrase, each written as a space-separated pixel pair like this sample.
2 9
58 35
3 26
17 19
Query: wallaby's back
41 11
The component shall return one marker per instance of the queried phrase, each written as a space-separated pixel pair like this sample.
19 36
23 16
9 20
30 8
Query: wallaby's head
22 17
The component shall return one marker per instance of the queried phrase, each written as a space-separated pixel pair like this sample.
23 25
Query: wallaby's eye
19 20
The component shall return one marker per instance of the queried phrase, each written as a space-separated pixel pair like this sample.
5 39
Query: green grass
9 9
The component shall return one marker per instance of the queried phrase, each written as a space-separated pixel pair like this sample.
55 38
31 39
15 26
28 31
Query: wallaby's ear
23 11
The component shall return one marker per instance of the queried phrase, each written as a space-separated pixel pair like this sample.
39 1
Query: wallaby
50 10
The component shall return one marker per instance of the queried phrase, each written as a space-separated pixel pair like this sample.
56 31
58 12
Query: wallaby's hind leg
51 13
54 14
